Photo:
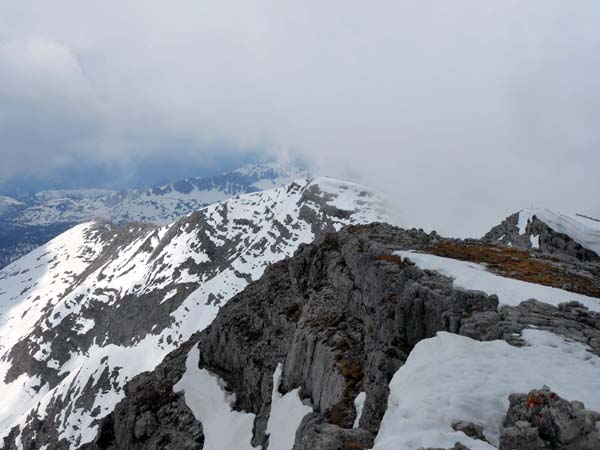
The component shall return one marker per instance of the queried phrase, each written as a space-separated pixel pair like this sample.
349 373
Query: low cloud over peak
456 110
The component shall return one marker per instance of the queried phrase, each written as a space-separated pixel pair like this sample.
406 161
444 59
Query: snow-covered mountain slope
348 345
99 304
24 225
572 235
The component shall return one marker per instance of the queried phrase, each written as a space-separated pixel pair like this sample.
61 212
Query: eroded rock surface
341 315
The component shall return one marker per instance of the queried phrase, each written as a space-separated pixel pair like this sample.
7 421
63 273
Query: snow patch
169 295
224 428
53 364
287 411
535 241
449 377
84 325
359 403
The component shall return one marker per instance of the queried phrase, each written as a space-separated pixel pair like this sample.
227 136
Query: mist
460 112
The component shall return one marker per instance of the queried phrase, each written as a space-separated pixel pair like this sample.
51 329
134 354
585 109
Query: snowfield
449 378
468 275
8 202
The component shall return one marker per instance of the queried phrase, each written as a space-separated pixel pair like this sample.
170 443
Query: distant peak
550 231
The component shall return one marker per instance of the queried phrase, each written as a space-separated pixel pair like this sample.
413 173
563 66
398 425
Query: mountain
30 222
355 342
101 303
296 318
161 204
577 236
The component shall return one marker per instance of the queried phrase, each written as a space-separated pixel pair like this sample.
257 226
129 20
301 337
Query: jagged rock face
27 224
345 314
543 420
341 316
552 233
100 304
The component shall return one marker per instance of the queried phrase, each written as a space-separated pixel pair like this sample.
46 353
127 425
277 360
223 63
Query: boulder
542 419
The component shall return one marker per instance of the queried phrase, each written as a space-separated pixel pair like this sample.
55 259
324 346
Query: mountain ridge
335 323
84 318
71 328
27 223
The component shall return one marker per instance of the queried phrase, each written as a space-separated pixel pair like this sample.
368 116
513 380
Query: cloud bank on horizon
460 111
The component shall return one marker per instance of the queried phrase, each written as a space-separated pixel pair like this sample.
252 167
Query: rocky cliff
340 318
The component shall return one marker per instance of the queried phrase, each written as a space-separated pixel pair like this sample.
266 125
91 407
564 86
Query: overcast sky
462 111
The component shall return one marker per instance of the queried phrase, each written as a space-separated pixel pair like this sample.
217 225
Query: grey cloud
461 111
47 107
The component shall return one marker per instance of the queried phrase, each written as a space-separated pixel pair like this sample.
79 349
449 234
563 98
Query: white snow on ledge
287 411
535 241
449 377
359 404
468 275
224 428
